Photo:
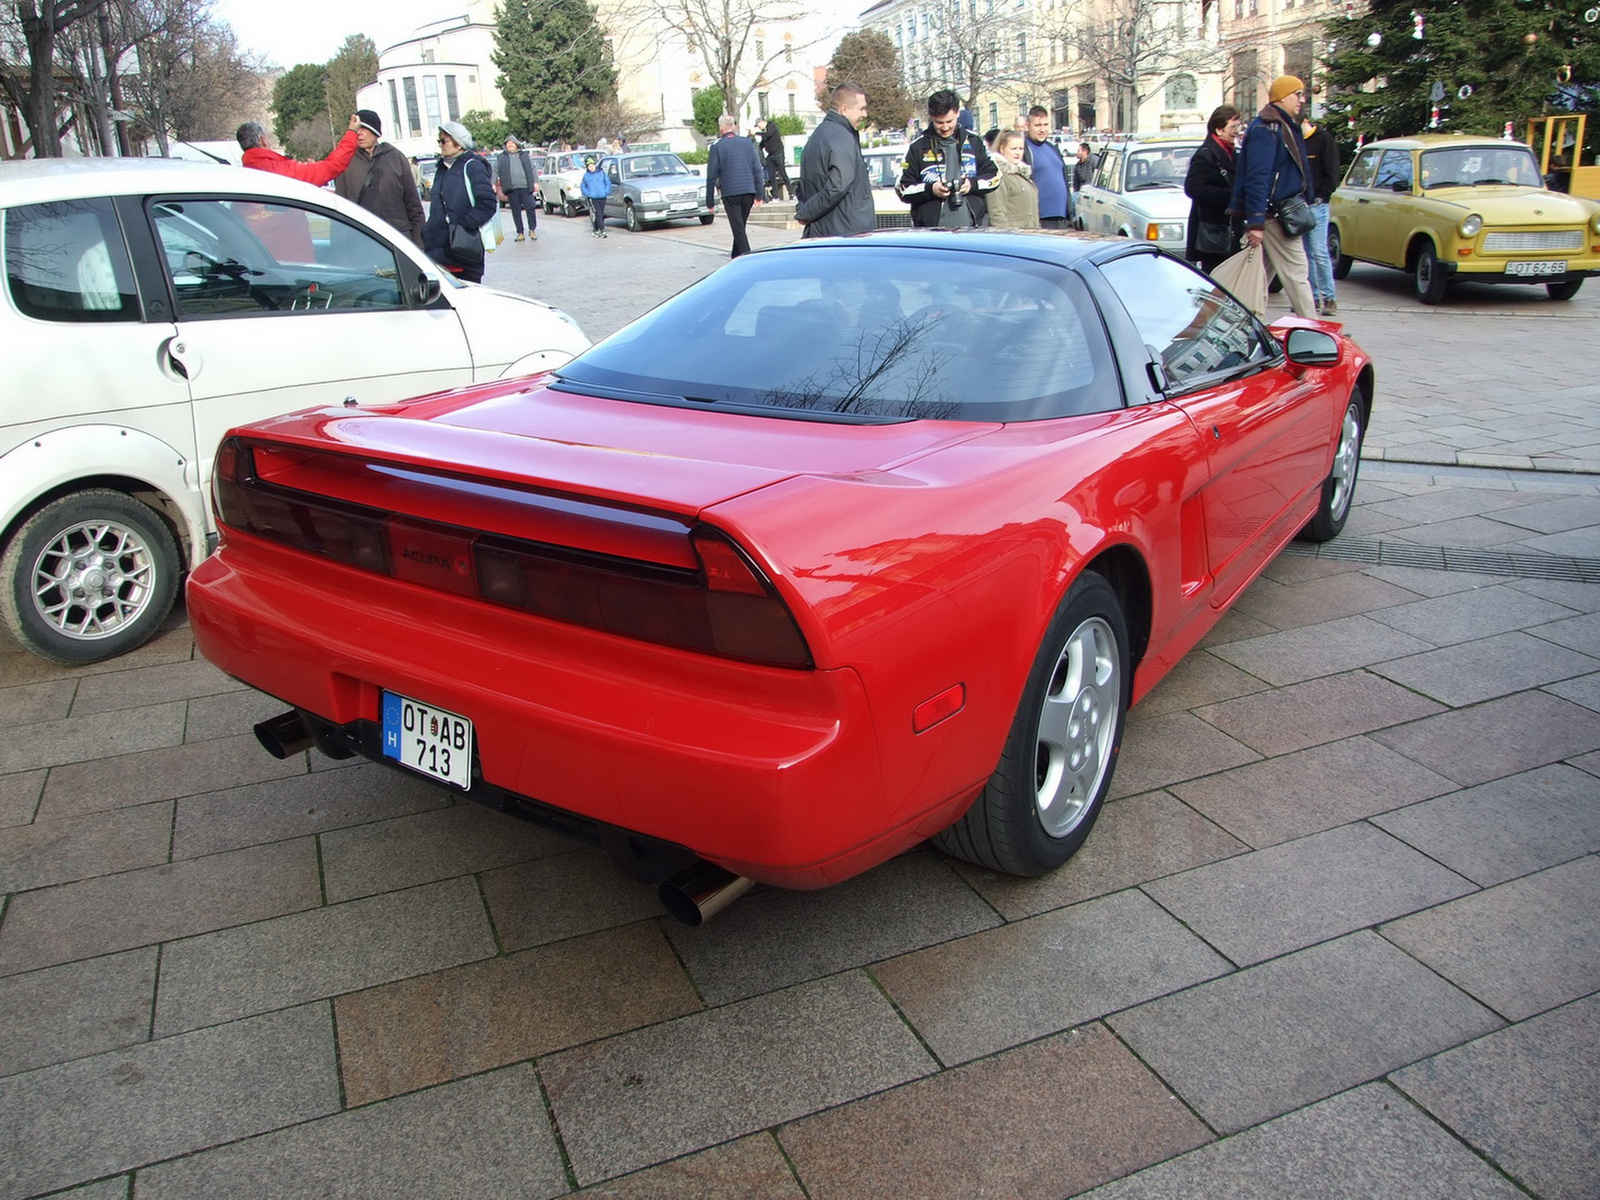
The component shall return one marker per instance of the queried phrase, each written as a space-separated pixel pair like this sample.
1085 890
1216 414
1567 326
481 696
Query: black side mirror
1400 185
423 292
1312 348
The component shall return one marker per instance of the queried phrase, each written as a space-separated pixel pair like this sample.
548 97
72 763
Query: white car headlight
1470 225
1165 231
651 197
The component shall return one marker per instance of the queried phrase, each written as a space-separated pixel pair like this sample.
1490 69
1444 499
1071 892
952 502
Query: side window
611 170
66 261
1110 168
1394 172
229 258
1190 323
1363 169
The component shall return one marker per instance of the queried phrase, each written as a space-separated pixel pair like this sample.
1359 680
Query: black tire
1341 262
1339 488
1564 290
549 209
88 577
630 218
1431 282
1061 752
708 218
568 208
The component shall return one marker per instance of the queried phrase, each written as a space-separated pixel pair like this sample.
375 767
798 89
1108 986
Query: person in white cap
463 195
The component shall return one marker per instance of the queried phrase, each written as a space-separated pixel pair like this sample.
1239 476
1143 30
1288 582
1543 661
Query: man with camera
947 174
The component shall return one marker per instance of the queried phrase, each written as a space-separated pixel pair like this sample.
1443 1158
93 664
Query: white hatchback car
148 307
1137 191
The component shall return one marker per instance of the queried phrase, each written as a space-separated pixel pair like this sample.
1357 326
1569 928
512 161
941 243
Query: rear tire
1339 488
1061 752
88 577
1341 262
1565 290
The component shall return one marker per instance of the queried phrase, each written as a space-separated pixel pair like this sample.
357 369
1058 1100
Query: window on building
994 116
1182 93
427 56
761 103
791 104
761 52
451 104
430 100
394 106
413 114
1299 61
1246 81
1022 48
788 55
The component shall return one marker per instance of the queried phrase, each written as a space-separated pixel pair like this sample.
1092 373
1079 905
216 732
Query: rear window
868 332
65 261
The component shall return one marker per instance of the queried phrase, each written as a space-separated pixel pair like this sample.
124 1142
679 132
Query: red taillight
724 606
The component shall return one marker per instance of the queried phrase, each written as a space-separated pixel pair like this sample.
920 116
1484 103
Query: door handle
183 358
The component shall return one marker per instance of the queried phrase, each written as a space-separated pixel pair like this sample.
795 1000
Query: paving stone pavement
1337 933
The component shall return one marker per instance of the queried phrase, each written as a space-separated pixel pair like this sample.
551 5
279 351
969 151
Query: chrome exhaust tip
700 892
284 735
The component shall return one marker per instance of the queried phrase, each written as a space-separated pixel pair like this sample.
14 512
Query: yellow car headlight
1470 225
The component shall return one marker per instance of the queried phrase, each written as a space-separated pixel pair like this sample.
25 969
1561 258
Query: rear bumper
771 773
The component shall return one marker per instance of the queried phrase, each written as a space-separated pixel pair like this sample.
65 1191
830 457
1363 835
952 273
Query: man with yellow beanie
1273 171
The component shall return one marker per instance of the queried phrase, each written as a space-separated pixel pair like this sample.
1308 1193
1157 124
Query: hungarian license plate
681 204
1537 268
427 739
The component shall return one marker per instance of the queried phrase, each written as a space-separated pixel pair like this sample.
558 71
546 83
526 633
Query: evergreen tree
555 64
708 110
300 97
1483 62
868 59
348 71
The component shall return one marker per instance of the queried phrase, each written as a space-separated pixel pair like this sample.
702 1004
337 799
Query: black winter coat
835 191
450 204
1322 157
1209 185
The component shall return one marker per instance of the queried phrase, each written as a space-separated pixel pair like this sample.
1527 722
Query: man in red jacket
253 141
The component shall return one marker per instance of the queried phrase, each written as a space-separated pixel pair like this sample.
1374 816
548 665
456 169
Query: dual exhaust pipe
694 895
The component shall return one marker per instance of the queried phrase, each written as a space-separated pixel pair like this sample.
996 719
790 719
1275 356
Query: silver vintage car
1137 191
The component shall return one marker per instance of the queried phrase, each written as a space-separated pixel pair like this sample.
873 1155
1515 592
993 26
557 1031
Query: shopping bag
1245 275
489 231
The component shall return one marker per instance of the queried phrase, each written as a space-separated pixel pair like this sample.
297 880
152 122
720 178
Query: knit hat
1284 85
369 120
458 133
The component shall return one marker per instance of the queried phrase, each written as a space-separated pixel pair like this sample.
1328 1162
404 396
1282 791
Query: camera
954 198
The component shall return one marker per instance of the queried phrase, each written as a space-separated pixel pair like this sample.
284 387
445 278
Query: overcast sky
290 32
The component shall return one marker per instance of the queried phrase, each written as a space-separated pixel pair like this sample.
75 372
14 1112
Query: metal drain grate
1454 558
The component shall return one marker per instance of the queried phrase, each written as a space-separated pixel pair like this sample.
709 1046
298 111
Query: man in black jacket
734 167
835 190
1322 159
777 172
947 173
379 179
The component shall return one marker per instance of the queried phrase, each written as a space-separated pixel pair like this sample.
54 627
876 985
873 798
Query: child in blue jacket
595 188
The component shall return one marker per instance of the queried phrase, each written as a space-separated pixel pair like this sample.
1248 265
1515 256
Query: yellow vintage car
1445 206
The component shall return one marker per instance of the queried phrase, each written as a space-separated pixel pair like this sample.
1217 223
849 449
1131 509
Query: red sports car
852 544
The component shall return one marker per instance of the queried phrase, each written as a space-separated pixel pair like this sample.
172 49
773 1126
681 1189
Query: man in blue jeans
1322 159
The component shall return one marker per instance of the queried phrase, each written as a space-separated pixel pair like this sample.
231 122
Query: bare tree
979 47
723 35
30 40
1135 46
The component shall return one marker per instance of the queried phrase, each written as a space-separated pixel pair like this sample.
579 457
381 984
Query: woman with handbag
1213 234
462 203
1270 190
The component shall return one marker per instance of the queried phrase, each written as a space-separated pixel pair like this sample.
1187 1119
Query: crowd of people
1267 184
1263 183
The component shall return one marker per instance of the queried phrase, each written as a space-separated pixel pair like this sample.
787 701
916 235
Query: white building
446 68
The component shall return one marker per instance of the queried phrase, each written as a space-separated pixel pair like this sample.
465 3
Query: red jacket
318 173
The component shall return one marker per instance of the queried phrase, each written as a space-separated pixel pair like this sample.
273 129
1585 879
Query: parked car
771 578
150 305
1448 206
1137 191
654 188
559 179
427 168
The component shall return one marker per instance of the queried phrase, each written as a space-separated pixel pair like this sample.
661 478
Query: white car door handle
182 358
